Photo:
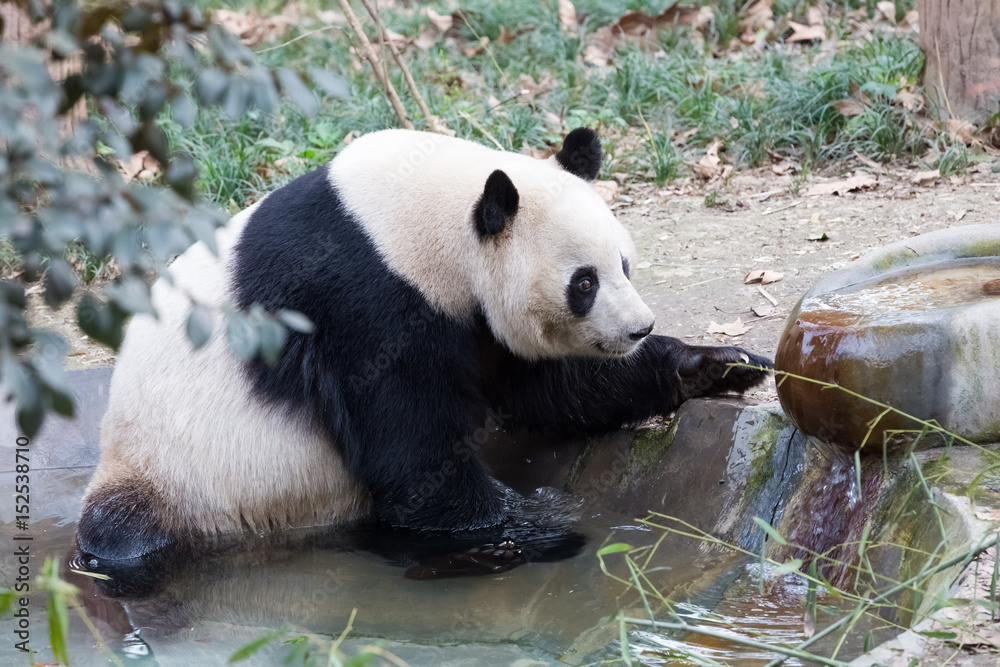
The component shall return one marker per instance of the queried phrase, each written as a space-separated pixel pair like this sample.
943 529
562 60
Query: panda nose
642 333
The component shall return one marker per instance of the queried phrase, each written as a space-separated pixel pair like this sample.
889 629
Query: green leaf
58 625
272 340
292 86
329 82
60 281
101 321
626 651
242 336
772 533
30 417
199 325
7 595
184 110
793 565
182 175
237 97
615 548
296 321
62 403
131 295
246 651
939 635
211 86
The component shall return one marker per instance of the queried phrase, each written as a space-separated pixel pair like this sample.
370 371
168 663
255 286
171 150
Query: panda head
555 278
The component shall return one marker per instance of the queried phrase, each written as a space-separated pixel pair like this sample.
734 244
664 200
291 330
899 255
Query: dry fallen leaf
442 23
757 18
397 40
868 162
961 130
531 89
859 181
887 9
281 162
425 40
710 166
607 189
252 28
762 310
763 277
988 515
140 166
470 51
805 33
567 16
911 19
925 178
909 100
848 107
641 29
735 328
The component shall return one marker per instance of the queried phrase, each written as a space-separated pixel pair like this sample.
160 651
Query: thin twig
478 126
295 39
398 57
944 92
373 59
782 208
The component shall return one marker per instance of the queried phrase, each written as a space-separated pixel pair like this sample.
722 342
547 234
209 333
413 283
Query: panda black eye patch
582 290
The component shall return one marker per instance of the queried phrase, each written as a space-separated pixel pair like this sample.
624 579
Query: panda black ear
581 153
496 206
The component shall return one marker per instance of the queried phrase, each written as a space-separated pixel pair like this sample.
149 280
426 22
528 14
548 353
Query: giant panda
450 286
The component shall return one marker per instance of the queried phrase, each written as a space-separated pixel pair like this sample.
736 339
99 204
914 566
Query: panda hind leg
120 522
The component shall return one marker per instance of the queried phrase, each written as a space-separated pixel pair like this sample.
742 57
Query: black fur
393 384
404 392
496 206
581 153
594 396
581 300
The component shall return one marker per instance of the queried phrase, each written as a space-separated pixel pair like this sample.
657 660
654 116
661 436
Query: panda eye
585 284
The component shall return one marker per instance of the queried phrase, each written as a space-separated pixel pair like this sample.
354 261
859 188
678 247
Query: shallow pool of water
537 614
956 283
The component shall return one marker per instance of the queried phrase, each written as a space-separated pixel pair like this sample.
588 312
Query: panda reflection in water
447 283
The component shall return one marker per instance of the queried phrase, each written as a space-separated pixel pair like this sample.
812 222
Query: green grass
759 104
762 105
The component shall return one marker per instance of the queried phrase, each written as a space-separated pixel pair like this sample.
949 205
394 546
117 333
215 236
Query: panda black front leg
709 371
589 396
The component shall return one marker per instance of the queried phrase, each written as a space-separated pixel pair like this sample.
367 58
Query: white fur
415 194
186 424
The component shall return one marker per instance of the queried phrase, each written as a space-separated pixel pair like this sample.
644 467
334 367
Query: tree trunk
961 41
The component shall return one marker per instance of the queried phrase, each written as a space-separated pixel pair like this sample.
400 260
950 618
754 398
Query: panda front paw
708 371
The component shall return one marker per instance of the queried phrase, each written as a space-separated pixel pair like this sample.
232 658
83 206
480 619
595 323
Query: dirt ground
693 259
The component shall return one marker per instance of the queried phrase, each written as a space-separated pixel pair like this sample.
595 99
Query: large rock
910 326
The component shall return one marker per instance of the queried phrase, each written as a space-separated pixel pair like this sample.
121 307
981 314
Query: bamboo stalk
372 56
398 57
